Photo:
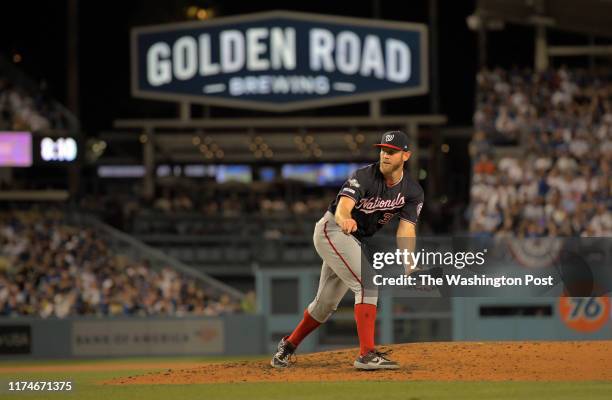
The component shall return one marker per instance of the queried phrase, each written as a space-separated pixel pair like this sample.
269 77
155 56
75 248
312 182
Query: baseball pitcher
367 201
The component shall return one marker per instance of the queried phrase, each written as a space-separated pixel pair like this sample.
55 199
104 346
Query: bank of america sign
279 61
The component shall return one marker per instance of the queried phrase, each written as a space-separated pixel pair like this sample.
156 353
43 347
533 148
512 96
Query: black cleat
282 357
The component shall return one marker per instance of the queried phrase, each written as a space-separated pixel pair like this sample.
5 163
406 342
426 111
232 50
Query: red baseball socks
306 325
365 315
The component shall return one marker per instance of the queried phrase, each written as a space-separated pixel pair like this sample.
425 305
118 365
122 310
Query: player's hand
348 226
408 269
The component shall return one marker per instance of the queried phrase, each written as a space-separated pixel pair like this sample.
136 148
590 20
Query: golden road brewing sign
279 61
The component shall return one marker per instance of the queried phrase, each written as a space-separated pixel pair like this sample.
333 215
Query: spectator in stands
479 145
484 165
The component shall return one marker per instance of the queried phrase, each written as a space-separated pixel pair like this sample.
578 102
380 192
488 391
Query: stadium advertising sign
151 337
279 61
15 339
24 149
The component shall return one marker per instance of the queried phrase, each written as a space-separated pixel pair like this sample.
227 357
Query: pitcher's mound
457 361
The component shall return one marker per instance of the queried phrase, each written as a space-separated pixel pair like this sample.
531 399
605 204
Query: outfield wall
120 337
572 318
546 318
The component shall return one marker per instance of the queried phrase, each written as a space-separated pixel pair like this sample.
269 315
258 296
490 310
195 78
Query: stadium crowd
27 110
557 181
51 269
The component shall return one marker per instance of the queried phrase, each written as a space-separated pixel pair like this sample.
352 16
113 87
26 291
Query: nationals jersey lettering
376 203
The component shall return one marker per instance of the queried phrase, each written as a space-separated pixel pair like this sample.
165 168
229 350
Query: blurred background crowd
26 106
559 182
49 268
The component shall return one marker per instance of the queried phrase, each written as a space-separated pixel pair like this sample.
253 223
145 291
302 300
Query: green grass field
86 386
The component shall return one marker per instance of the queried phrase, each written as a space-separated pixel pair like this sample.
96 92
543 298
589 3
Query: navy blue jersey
376 203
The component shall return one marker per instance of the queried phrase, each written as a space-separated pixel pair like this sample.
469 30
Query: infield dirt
456 361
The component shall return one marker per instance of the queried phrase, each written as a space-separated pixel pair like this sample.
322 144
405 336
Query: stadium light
475 21
202 14
192 11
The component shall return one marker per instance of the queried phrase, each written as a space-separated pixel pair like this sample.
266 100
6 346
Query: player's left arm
406 240
406 230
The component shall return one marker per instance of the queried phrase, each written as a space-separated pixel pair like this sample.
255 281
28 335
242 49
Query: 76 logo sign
584 314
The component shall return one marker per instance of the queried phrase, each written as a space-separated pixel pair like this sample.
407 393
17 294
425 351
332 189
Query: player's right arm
343 215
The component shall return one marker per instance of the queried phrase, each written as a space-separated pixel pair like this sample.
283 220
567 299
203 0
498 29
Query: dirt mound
99 367
457 361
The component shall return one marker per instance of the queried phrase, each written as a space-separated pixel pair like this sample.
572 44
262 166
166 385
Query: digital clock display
58 149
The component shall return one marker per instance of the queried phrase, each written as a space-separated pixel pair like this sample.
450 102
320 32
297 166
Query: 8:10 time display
60 149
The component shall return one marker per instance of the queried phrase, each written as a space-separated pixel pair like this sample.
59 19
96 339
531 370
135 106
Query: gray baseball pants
343 263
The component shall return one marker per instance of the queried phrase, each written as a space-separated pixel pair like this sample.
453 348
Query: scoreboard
57 149
24 149
15 149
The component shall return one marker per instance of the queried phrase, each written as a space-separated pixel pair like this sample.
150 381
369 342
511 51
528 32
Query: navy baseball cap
394 140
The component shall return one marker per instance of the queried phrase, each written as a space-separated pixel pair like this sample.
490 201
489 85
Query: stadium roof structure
272 139
277 139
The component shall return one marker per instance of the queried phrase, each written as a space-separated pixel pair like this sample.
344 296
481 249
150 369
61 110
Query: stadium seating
556 182
26 106
51 268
